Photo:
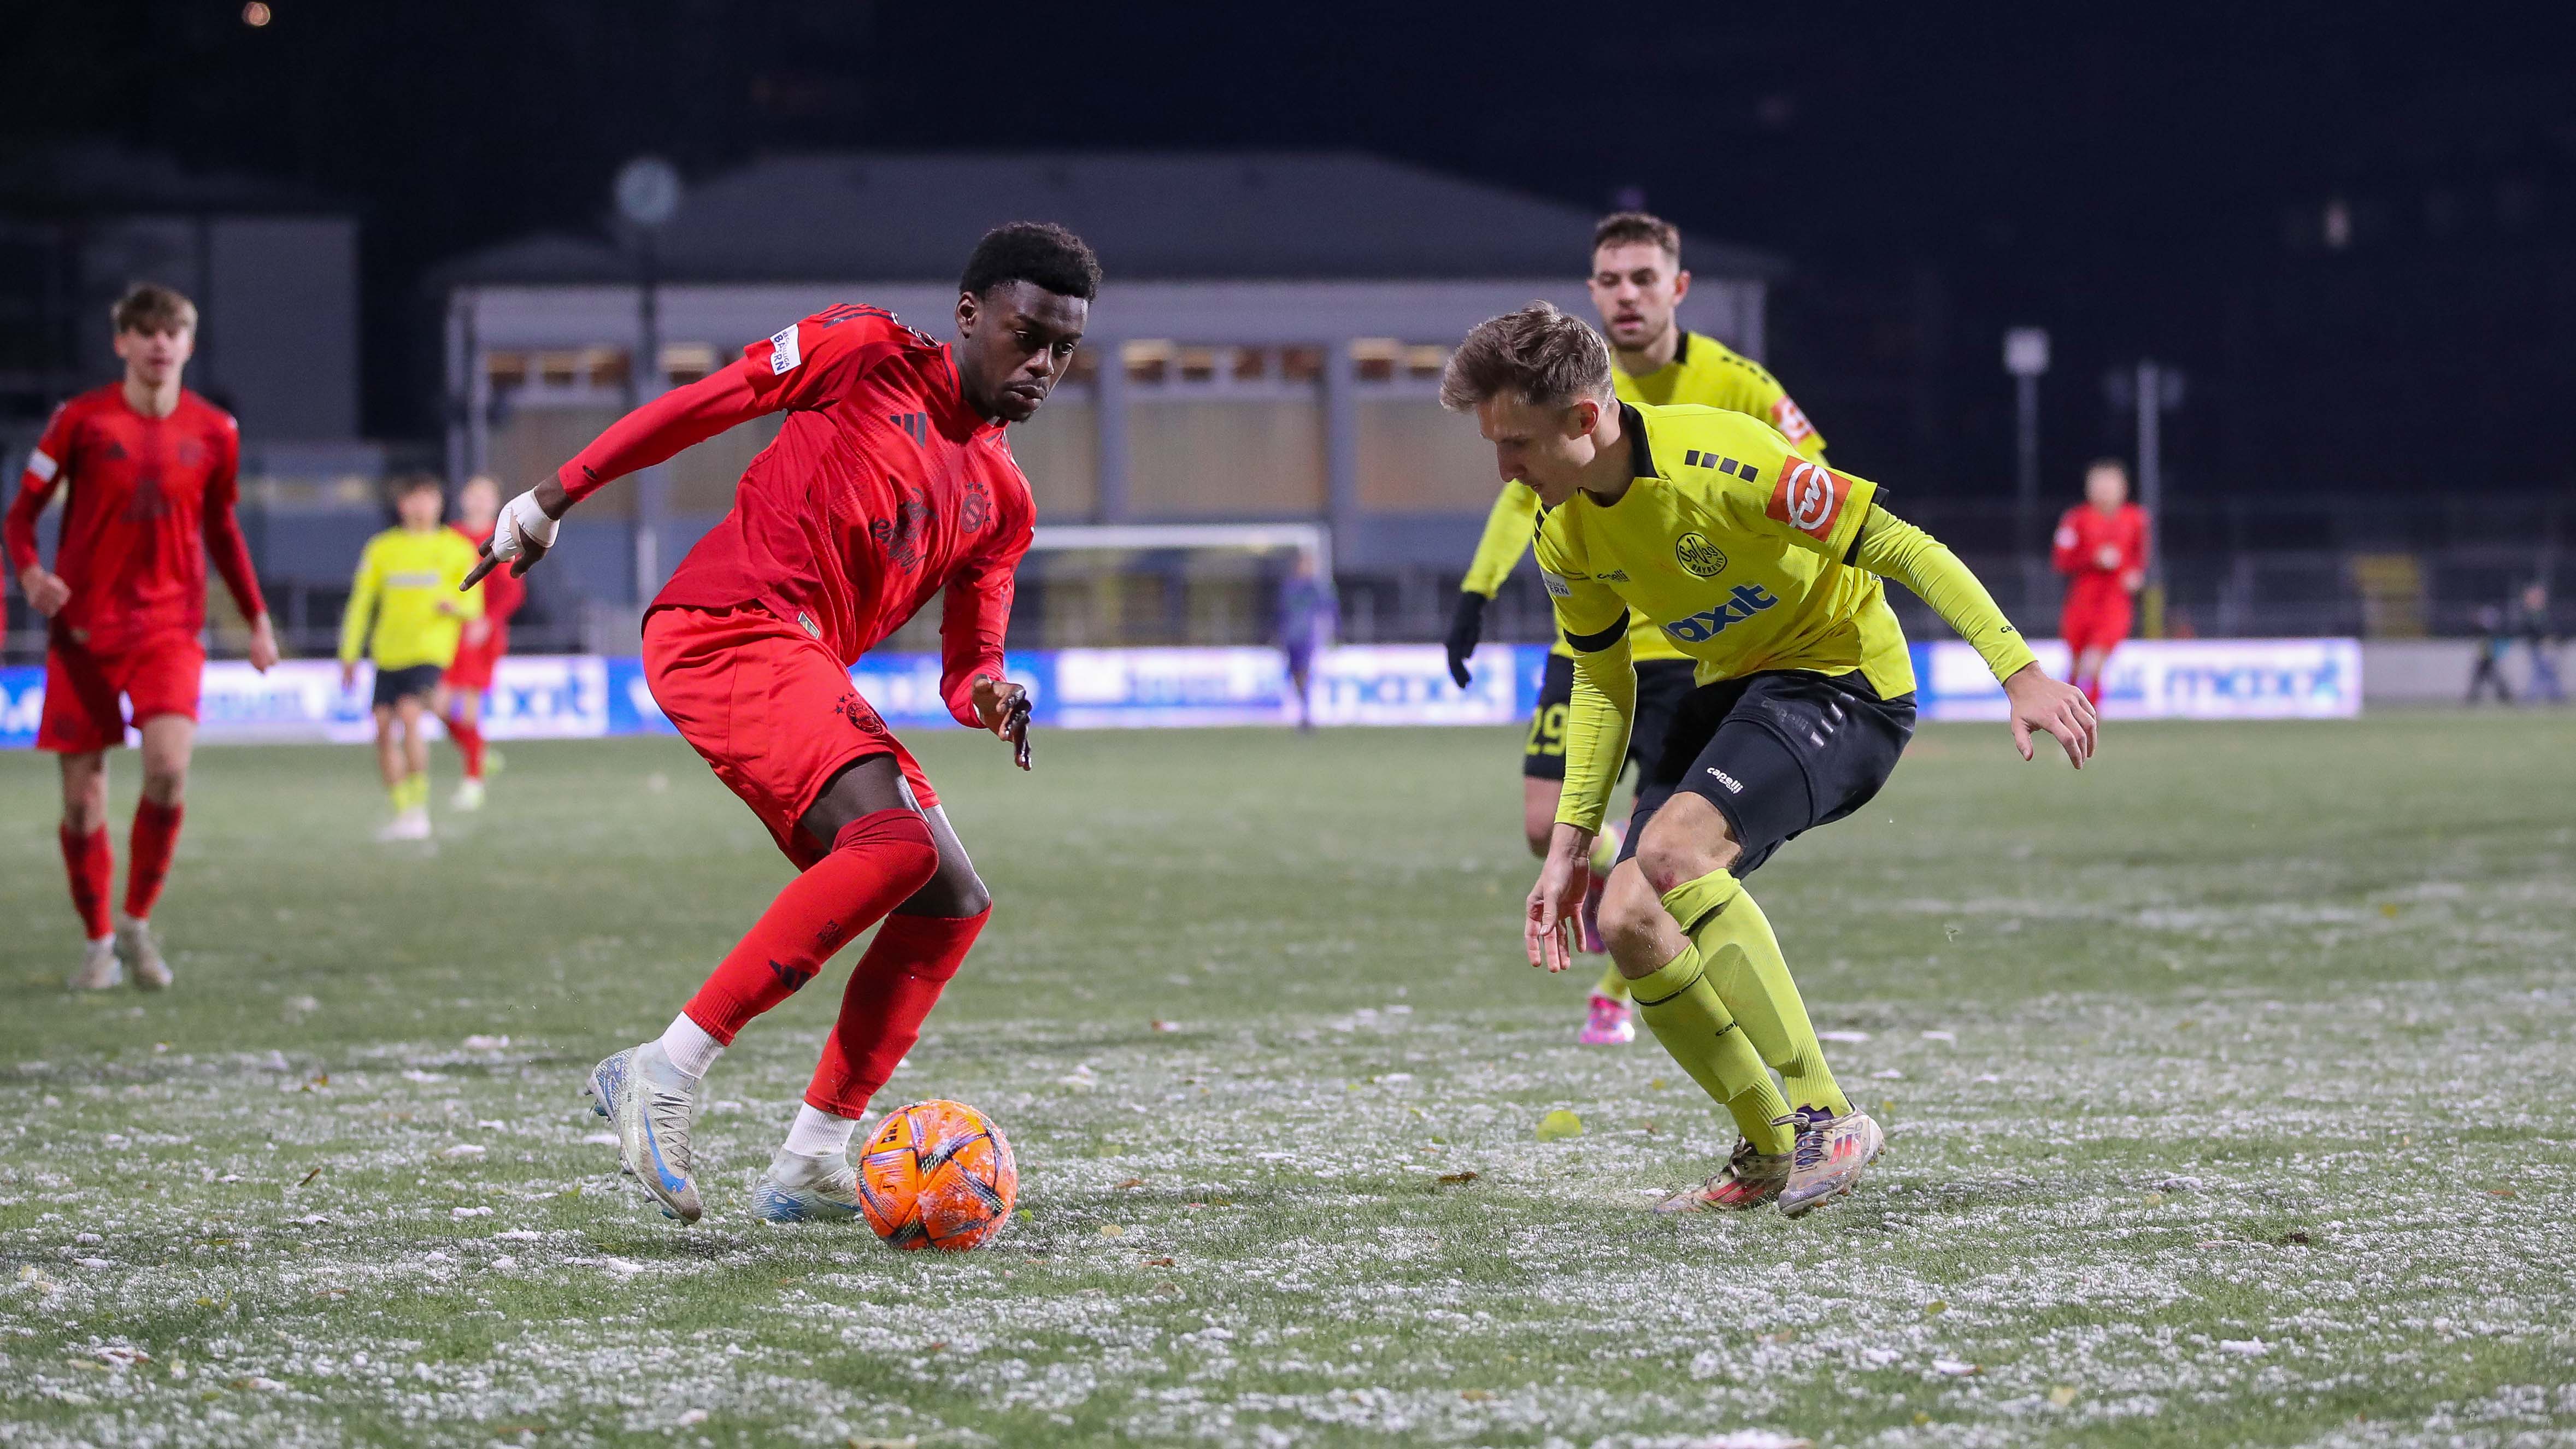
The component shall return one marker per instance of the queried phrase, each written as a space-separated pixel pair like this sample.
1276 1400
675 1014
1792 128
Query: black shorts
1777 753
1662 684
416 681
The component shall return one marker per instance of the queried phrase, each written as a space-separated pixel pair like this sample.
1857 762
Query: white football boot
99 968
469 796
142 954
798 1189
652 1104
412 824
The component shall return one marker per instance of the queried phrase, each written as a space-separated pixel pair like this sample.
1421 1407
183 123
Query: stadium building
1267 349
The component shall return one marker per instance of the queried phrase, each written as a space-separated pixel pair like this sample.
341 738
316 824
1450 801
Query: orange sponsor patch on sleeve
1791 420
1809 497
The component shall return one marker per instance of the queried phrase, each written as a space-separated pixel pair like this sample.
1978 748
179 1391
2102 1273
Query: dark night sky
2138 185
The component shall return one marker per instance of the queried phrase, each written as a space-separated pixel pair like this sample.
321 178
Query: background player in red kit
890 483
149 468
2102 550
479 650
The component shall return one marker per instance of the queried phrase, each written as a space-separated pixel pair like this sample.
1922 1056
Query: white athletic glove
521 523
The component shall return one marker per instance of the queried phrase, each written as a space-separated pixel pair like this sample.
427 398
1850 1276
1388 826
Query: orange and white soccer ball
937 1175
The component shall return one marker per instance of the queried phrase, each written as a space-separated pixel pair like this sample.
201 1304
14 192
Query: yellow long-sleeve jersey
1744 555
1704 371
406 586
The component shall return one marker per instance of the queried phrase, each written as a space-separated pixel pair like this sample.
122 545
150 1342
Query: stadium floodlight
647 193
2026 358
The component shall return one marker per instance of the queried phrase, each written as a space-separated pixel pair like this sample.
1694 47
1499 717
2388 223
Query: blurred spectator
2487 672
2532 621
1308 615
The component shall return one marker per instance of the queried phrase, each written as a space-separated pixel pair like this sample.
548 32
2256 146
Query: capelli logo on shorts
1702 558
1733 785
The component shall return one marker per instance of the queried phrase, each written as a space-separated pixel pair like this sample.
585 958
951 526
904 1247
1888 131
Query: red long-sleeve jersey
883 488
150 499
2102 550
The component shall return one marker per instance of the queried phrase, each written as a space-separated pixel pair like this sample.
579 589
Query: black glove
1465 628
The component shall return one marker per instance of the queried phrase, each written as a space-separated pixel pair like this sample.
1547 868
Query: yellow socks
1611 984
1729 933
1685 1014
411 792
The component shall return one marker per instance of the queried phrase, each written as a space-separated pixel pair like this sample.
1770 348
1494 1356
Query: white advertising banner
2168 679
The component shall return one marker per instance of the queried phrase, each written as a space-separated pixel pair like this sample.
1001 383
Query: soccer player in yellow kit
1637 285
1762 566
405 598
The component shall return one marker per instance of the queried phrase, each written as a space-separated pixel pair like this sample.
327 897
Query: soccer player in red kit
890 483
150 471
2102 550
479 650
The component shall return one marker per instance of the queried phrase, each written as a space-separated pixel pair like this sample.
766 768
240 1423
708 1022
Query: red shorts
770 709
160 675
474 663
2095 619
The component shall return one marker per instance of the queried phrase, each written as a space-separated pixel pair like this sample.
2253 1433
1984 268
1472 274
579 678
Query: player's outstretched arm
678 419
1506 538
1892 548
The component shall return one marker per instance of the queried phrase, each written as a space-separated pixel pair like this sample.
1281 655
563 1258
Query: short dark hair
1546 356
2116 465
1626 228
1038 252
403 485
151 307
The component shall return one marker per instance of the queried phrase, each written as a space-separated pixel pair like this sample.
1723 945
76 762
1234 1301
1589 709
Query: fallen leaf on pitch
2062 1395
1559 1123
1475 1396
1158 1262
1133 1182
1162 1025
1936 1306
1112 1230
1458 1177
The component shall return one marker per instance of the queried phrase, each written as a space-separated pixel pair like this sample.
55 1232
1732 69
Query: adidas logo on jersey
1746 601
916 426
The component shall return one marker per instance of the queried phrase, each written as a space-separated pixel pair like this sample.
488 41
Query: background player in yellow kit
1763 566
406 613
1637 285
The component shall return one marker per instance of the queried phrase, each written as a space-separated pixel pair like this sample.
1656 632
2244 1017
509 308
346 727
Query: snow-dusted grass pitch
2229 1086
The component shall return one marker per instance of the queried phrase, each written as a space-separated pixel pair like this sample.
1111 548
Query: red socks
893 988
91 864
876 863
2092 689
155 839
469 743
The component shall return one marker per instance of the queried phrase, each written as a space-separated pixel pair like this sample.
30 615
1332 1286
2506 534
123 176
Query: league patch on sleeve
43 466
1555 584
1791 421
784 353
1809 497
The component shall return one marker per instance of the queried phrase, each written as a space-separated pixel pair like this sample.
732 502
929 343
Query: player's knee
1537 833
1675 856
959 895
1631 916
164 784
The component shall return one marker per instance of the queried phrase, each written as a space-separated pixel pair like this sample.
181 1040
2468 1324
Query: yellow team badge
1701 557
